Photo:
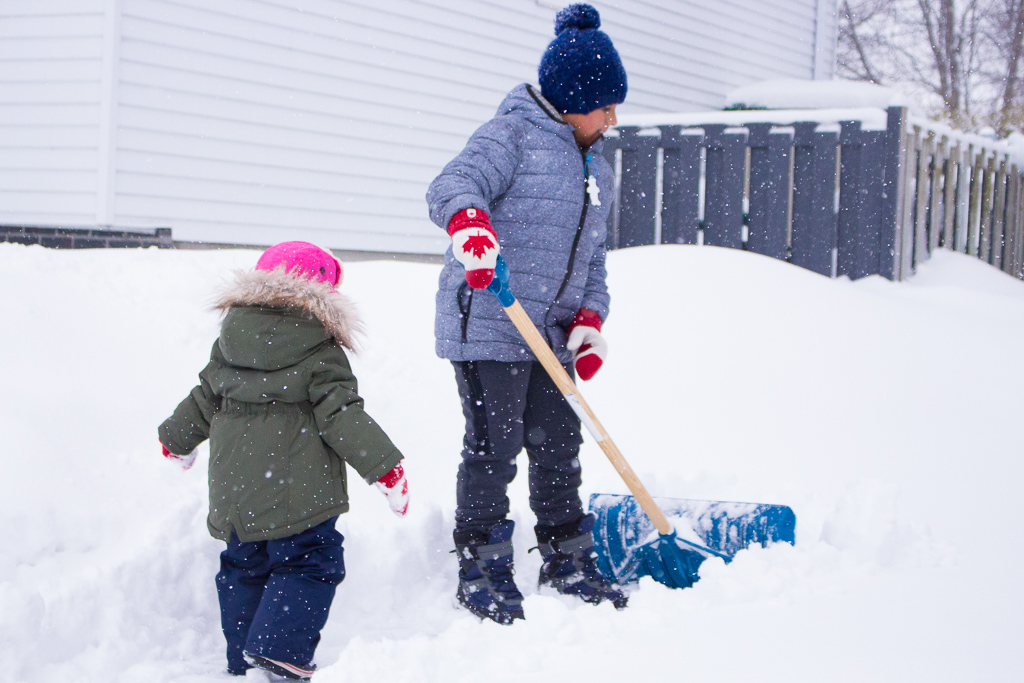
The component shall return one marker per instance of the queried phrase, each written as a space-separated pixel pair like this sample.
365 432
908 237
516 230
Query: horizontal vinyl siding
51 70
255 121
244 115
686 55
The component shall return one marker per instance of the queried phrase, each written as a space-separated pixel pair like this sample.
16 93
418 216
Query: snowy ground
887 415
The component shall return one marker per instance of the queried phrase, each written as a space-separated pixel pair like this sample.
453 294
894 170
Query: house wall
53 75
254 121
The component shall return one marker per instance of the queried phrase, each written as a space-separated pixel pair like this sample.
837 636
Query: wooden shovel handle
568 388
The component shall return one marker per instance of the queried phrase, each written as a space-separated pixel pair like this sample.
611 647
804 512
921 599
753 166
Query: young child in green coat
279 403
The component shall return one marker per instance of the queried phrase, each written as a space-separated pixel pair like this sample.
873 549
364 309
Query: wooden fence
841 192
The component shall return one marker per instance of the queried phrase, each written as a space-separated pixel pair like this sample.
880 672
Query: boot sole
503 618
284 669
618 603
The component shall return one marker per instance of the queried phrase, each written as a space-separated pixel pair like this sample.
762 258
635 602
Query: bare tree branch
854 39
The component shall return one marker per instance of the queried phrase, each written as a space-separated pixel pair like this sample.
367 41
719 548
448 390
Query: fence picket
680 211
853 202
872 256
852 198
724 176
964 183
937 169
1018 260
1010 231
987 195
639 188
974 212
949 192
999 202
924 159
769 190
814 189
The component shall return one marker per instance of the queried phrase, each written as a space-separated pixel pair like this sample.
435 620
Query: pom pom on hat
578 16
302 259
580 70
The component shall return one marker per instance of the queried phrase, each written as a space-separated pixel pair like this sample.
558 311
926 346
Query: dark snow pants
275 595
509 406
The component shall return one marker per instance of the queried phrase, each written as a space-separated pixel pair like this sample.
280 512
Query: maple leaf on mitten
478 245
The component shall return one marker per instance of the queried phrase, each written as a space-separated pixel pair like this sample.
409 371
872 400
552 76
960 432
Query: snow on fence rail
851 192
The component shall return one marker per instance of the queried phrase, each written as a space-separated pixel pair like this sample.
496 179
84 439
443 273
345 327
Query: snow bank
887 415
798 93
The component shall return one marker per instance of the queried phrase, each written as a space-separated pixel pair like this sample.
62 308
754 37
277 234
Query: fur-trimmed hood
277 289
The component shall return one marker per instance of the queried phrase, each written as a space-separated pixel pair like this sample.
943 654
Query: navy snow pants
275 595
509 406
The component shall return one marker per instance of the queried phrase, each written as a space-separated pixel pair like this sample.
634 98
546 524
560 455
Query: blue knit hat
581 71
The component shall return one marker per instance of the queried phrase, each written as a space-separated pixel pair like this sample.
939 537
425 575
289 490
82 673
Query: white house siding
52 78
684 55
254 121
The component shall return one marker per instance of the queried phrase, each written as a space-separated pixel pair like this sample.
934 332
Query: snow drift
887 415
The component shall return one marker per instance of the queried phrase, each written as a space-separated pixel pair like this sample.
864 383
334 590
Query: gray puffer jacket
524 168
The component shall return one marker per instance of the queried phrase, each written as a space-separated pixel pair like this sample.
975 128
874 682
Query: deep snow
886 414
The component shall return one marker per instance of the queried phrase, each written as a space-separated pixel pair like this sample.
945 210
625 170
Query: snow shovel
633 537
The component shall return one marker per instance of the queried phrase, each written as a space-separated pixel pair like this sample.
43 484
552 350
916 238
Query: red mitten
588 347
183 461
475 245
395 488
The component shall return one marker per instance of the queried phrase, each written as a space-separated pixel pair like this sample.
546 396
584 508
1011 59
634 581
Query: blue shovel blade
628 545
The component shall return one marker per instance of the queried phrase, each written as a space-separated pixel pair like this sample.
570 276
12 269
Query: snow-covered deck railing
839 191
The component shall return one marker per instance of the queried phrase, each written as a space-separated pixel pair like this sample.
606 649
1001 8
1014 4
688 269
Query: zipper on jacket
572 252
579 230
464 310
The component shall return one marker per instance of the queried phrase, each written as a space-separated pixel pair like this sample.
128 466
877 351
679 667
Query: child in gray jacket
531 182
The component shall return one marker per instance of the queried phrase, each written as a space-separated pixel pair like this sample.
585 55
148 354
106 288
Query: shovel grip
568 389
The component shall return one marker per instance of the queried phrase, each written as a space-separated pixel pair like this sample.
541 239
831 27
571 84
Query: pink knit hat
302 259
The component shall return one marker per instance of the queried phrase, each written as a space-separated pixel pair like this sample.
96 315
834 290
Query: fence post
894 162
769 190
680 208
639 187
907 232
723 203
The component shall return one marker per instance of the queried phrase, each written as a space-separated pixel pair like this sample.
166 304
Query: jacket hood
525 100
276 289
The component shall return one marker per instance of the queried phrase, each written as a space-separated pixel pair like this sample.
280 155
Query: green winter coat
279 403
